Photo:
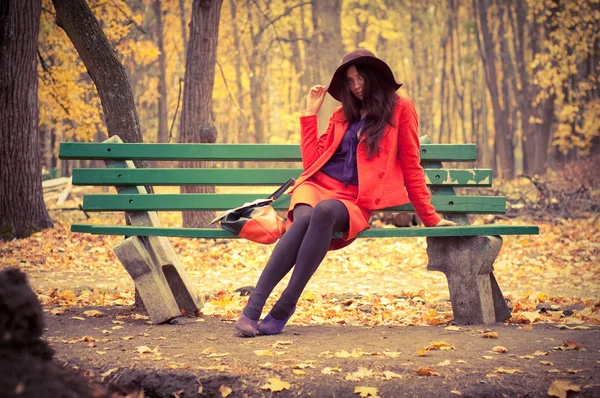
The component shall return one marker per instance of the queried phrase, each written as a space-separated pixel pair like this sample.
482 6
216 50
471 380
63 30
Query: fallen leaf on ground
302 366
440 345
217 355
58 311
109 372
275 384
422 352
388 375
425 371
93 313
559 388
500 349
359 374
578 327
330 371
263 353
225 390
207 351
573 371
391 354
508 371
143 349
444 363
453 328
366 391
571 345
548 363
490 335
346 354
540 353
298 372
530 316
527 327
456 392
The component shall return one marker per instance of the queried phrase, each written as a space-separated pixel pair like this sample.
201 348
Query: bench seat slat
177 202
223 177
466 230
232 152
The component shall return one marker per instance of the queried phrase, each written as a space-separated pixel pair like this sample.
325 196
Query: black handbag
256 221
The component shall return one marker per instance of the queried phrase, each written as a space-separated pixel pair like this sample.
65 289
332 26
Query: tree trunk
331 51
444 109
508 82
314 67
22 209
502 139
163 129
241 125
196 123
104 67
183 27
524 98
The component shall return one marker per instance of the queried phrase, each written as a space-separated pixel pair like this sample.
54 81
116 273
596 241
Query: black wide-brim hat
360 56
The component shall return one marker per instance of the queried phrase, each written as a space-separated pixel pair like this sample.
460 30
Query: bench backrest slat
177 202
224 177
232 152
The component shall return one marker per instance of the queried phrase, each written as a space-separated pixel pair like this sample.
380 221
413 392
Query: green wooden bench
465 253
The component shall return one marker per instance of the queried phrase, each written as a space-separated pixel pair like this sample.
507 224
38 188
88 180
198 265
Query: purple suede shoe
246 326
270 325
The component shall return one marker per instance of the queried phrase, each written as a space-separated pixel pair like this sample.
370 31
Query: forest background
518 77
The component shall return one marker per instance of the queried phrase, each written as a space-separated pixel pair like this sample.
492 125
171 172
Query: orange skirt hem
322 187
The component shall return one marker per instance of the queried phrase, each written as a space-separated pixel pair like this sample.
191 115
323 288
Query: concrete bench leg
467 263
149 280
159 250
184 292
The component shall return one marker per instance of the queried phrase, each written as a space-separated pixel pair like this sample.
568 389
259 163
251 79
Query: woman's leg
327 217
281 261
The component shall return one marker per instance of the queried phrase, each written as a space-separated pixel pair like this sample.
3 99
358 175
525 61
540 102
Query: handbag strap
275 195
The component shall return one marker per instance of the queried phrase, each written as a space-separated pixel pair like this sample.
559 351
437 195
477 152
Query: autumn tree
197 123
104 67
270 51
330 49
163 133
22 209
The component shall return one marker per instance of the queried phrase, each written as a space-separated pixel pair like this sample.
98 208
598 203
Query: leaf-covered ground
553 277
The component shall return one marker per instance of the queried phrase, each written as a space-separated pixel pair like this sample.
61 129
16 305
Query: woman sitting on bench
367 159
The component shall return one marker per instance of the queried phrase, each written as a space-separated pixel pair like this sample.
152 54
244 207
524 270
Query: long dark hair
379 101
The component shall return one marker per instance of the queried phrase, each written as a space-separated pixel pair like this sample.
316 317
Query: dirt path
207 352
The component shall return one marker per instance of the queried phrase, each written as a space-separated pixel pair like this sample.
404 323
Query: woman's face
355 82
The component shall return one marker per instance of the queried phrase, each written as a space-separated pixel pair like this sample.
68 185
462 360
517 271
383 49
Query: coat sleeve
311 145
410 161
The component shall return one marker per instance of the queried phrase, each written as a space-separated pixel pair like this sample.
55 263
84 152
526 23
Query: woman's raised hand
314 100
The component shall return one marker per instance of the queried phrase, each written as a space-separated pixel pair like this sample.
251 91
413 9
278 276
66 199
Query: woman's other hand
445 223
314 100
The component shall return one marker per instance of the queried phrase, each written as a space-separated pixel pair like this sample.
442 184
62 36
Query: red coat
392 177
